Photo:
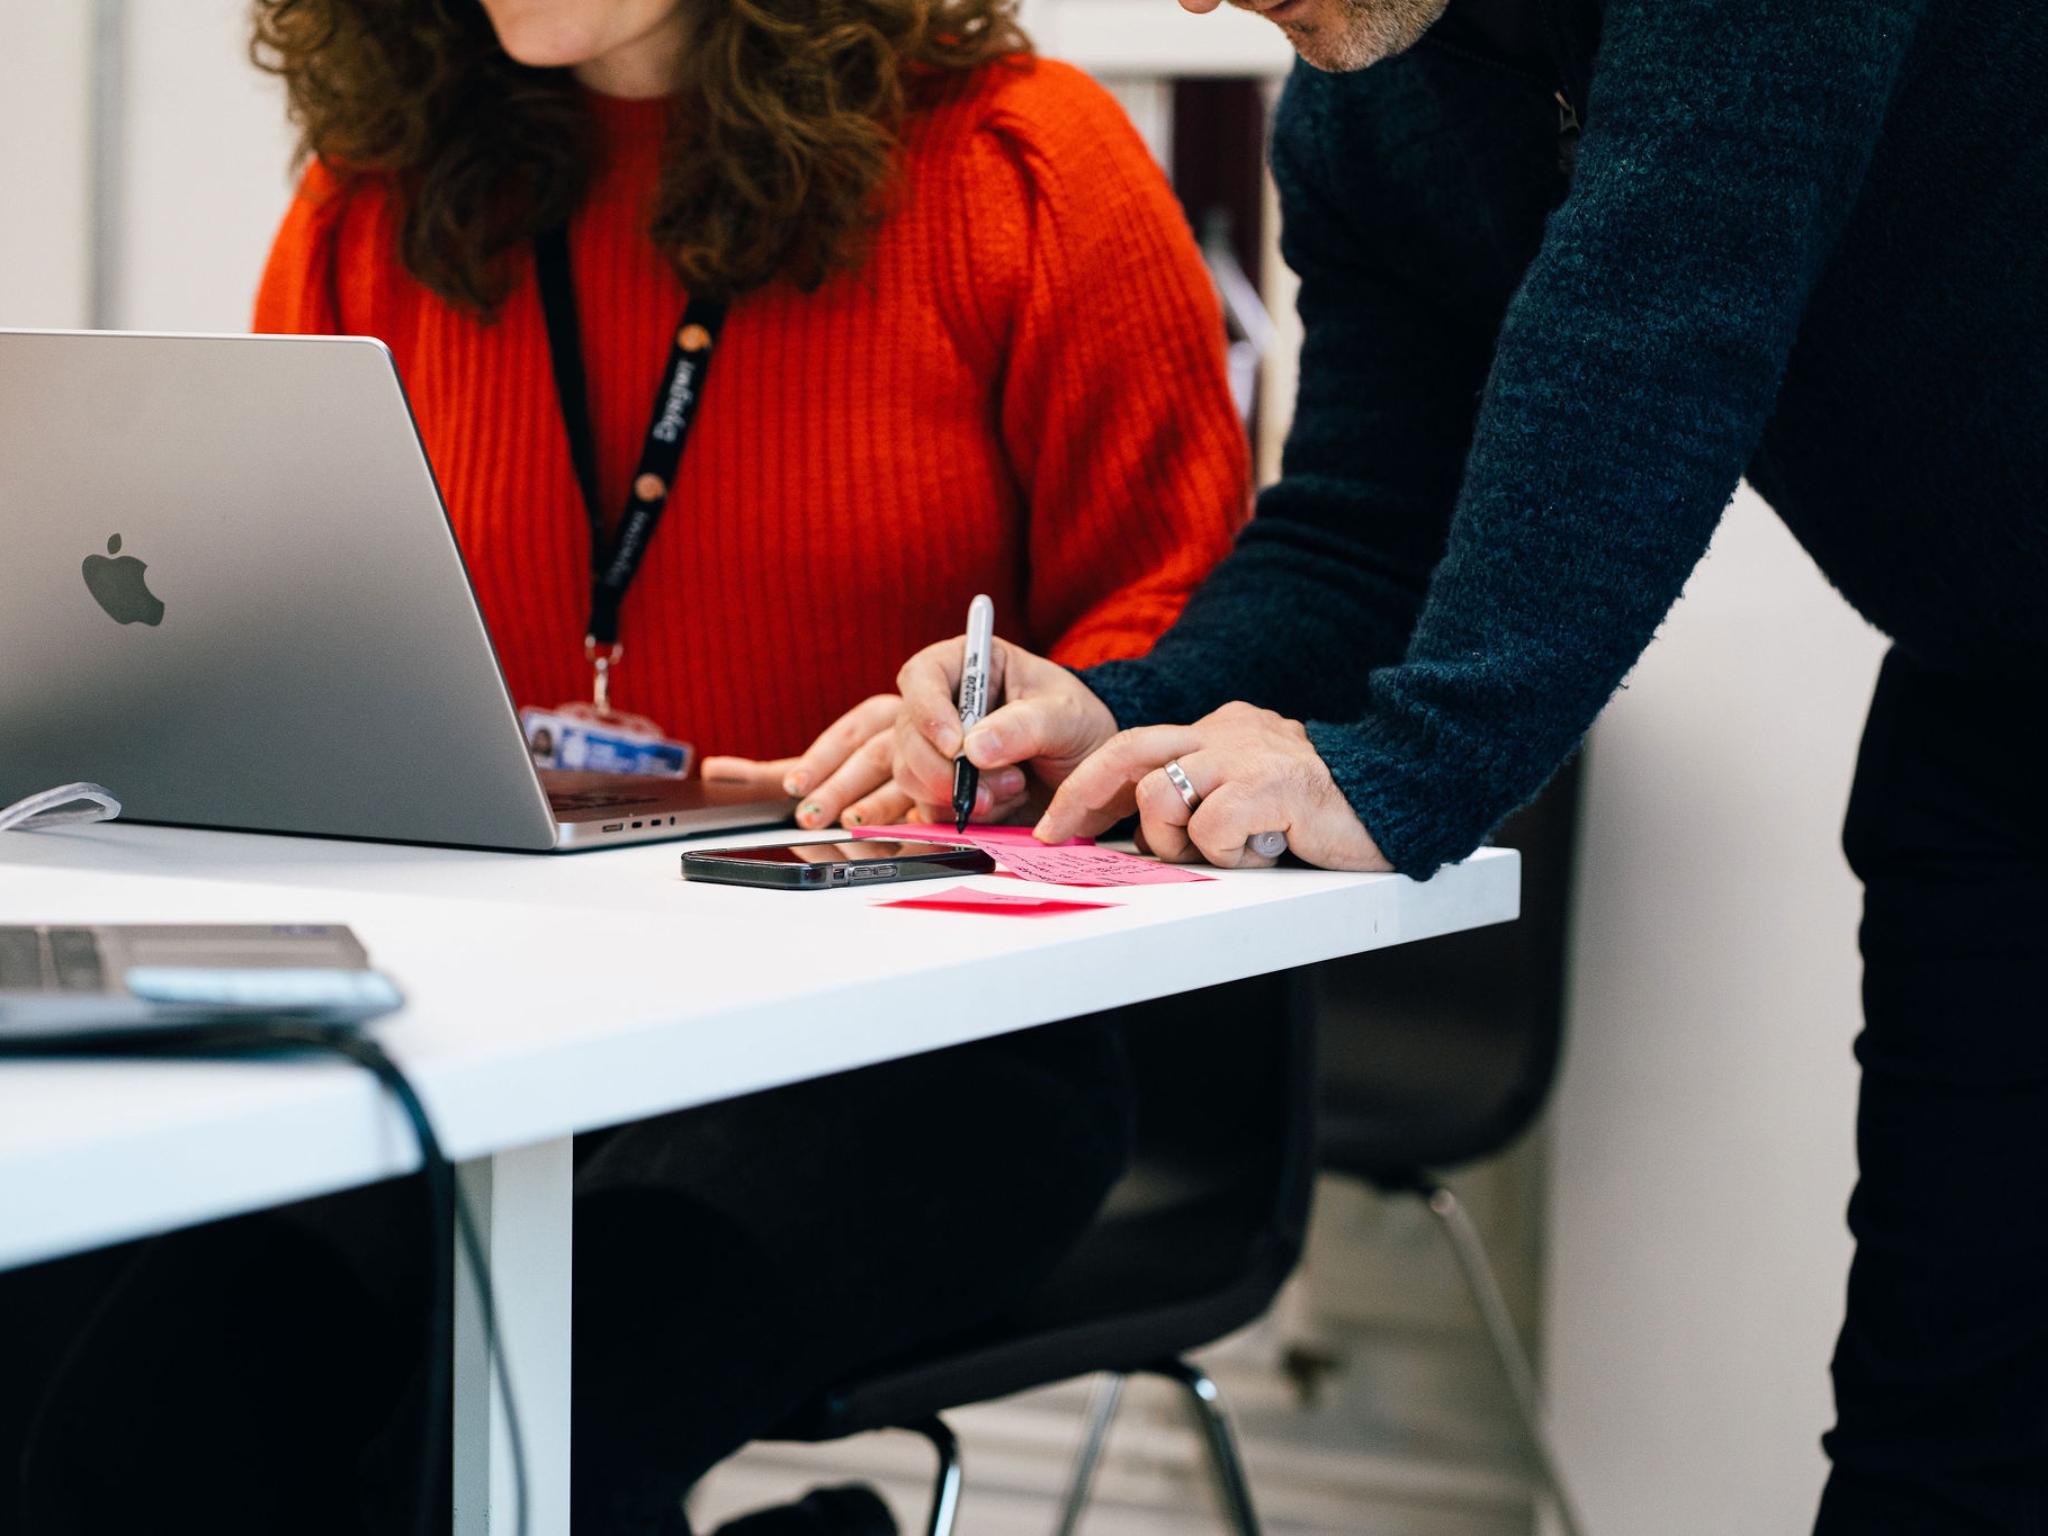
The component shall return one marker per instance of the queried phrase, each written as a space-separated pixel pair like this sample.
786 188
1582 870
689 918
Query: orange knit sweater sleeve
1115 407
299 295
332 269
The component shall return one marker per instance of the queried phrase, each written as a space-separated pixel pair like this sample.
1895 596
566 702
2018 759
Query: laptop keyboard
595 800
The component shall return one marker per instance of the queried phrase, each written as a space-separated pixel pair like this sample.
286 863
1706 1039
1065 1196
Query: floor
1378 1431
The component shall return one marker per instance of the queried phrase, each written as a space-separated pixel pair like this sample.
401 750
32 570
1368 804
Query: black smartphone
847 861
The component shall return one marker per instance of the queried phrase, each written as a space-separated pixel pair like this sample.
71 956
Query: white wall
206 155
45 146
203 158
1155 37
1702 1130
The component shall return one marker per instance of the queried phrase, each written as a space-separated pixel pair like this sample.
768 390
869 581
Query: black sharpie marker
981 635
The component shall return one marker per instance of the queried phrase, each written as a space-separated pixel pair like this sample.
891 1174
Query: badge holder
592 737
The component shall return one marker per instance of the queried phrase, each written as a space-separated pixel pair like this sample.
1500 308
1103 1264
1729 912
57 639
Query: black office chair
1436 1054
1190 1245
1441 1053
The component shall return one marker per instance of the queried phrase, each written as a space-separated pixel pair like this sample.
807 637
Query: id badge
582 737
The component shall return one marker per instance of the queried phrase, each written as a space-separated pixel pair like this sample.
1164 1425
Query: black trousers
1941 1372
263 1375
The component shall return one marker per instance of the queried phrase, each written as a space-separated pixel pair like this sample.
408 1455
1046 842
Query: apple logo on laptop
118 586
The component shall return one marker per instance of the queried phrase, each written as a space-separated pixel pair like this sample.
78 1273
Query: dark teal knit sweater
1805 239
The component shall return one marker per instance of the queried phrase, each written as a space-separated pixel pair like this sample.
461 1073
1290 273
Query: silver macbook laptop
230 594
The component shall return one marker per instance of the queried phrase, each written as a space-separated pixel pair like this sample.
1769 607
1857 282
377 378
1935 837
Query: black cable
451 1218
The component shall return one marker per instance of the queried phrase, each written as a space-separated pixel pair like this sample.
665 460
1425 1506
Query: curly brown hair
783 144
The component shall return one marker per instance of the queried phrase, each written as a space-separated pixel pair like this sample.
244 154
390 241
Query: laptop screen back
229 593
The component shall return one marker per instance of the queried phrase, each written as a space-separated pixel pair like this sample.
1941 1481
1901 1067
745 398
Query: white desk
550 995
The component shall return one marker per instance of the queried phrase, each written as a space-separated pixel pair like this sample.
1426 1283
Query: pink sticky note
1078 861
965 898
1089 865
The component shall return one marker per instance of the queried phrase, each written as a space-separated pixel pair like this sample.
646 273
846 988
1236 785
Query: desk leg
521 1201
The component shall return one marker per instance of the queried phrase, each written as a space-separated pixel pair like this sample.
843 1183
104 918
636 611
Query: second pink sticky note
965 898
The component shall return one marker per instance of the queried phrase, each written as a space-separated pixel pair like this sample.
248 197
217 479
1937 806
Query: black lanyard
614 562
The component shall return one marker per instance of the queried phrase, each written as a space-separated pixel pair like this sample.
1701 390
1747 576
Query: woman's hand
1252 771
1048 722
843 777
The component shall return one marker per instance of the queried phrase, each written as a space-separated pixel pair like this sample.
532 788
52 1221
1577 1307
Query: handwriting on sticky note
965 898
1075 862
1089 866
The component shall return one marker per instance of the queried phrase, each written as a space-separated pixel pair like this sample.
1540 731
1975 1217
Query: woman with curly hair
969 346
962 343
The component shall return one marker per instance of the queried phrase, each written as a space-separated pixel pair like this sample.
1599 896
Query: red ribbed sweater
1020 392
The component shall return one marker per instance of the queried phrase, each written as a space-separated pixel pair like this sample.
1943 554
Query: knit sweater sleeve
1114 407
1326 581
300 291
332 270
1631 381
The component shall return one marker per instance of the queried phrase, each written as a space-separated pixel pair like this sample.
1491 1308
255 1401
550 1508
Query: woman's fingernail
852 818
983 744
1007 784
796 782
810 813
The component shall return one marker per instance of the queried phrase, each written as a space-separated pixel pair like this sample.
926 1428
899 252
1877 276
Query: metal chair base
1470 1252
946 1486
1109 1394
1233 1488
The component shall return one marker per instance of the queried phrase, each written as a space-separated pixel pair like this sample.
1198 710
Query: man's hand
1048 723
1252 771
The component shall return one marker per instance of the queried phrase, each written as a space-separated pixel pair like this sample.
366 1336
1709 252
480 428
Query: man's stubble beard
1366 32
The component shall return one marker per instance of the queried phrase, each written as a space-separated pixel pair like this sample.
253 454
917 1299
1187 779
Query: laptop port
615 826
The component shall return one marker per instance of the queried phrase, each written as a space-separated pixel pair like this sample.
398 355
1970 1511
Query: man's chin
1355 34
1338 55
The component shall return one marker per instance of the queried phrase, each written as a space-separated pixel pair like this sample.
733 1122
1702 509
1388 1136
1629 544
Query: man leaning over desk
1805 240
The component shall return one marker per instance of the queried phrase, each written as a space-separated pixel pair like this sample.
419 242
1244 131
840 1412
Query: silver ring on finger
1178 778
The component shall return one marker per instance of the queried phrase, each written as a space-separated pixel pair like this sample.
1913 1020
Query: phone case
722 868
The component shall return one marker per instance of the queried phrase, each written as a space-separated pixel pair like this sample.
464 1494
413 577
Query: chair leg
1102 1406
1507 1344
946 1488
1232 1486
